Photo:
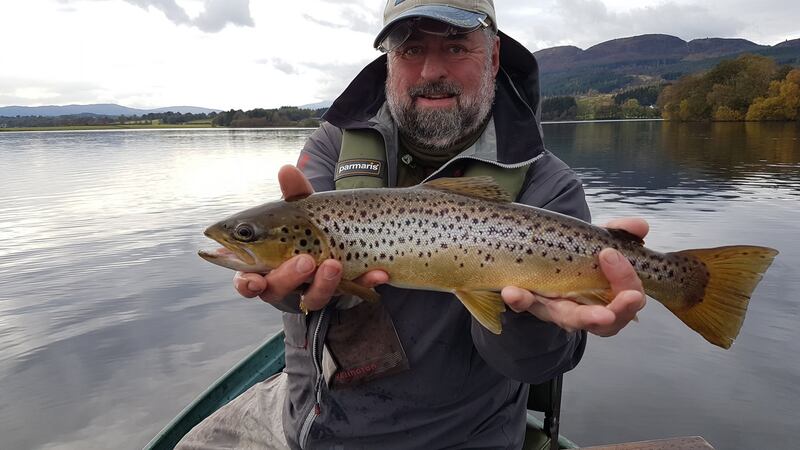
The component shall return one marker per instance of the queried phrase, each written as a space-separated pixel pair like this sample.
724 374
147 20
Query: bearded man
452 96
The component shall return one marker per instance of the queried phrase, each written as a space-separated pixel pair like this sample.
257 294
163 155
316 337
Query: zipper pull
408 160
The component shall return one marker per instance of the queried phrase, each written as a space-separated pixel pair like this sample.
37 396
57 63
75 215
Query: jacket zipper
316 409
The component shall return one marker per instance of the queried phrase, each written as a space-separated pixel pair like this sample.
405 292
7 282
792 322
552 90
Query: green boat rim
260 364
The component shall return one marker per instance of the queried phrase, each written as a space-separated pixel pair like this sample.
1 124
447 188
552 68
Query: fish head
262 238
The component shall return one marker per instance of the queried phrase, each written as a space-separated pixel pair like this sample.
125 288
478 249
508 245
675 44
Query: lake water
110 324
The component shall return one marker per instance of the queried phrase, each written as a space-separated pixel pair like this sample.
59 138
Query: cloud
355 15
585 23
219 13
27 92
172 10
334 77
279 64
214 17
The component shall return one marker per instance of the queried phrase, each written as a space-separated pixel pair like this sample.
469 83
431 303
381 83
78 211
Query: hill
648 59
105 109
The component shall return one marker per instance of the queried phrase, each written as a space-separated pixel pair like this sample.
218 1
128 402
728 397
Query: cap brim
454 16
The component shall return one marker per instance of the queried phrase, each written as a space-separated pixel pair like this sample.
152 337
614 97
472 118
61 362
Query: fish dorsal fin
479 187
625 236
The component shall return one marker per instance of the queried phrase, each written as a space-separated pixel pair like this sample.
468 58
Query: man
452 94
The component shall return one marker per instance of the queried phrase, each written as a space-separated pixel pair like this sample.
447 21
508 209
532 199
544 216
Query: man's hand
288 277
600 320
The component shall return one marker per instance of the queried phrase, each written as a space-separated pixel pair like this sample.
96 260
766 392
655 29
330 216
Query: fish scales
464 236
372 229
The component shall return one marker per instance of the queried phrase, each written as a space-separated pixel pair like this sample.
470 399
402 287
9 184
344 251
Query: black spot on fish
284 230
303 242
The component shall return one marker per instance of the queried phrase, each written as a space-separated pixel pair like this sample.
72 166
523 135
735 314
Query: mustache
441 87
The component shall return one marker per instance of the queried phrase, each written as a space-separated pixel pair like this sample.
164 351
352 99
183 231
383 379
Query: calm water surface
110 324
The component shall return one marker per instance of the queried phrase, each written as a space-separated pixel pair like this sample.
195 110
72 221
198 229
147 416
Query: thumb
294 185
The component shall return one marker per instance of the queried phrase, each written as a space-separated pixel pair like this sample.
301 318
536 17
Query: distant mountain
95 109
628 62
792 43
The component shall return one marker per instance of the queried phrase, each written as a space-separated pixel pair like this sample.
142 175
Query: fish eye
244 232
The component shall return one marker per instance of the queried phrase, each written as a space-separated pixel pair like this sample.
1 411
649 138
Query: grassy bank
115 126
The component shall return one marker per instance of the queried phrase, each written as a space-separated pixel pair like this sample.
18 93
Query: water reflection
699 185
655 164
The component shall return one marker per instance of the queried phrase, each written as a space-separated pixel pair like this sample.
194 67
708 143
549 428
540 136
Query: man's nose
434 66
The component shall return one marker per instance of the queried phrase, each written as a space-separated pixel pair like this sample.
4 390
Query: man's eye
411 51
457 50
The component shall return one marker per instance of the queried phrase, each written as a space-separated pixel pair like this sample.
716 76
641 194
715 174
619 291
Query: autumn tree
782 101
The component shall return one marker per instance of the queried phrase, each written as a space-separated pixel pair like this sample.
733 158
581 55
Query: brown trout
465 236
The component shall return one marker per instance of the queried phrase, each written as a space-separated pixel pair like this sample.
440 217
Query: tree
782 101
726 92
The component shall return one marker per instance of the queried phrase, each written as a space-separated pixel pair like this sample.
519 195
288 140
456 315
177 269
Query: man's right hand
290 275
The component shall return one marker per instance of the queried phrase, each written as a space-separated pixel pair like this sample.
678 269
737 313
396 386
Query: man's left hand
606 320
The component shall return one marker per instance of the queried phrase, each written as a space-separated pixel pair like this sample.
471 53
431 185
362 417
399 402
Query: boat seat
545 398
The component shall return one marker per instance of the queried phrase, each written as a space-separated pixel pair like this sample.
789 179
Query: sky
244 54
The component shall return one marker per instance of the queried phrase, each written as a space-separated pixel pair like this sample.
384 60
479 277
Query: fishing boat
268 359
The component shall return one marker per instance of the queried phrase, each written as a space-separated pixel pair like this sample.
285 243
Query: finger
573 316
249 284
517 299
633 225
326 280
373 278
287 277
626 304
619 272
293 183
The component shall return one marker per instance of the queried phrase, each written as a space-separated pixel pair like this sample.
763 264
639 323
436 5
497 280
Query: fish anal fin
353 288
485 306
479 187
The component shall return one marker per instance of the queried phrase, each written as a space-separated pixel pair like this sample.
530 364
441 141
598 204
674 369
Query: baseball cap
461 14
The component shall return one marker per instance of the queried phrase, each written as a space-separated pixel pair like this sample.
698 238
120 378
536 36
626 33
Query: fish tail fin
732 274
485 306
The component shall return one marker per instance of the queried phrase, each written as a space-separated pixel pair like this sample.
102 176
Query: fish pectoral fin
483 187
353 288
485 306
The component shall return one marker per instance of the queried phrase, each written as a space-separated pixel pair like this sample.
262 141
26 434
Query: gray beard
438 130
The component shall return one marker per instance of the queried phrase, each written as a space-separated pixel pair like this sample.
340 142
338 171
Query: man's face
441 89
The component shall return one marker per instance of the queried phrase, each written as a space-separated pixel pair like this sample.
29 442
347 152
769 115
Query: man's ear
496 55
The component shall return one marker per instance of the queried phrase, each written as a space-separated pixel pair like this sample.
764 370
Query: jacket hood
515 111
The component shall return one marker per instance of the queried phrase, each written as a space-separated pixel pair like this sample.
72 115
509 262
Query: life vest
362 164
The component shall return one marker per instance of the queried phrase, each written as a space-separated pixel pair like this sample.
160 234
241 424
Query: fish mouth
229 255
